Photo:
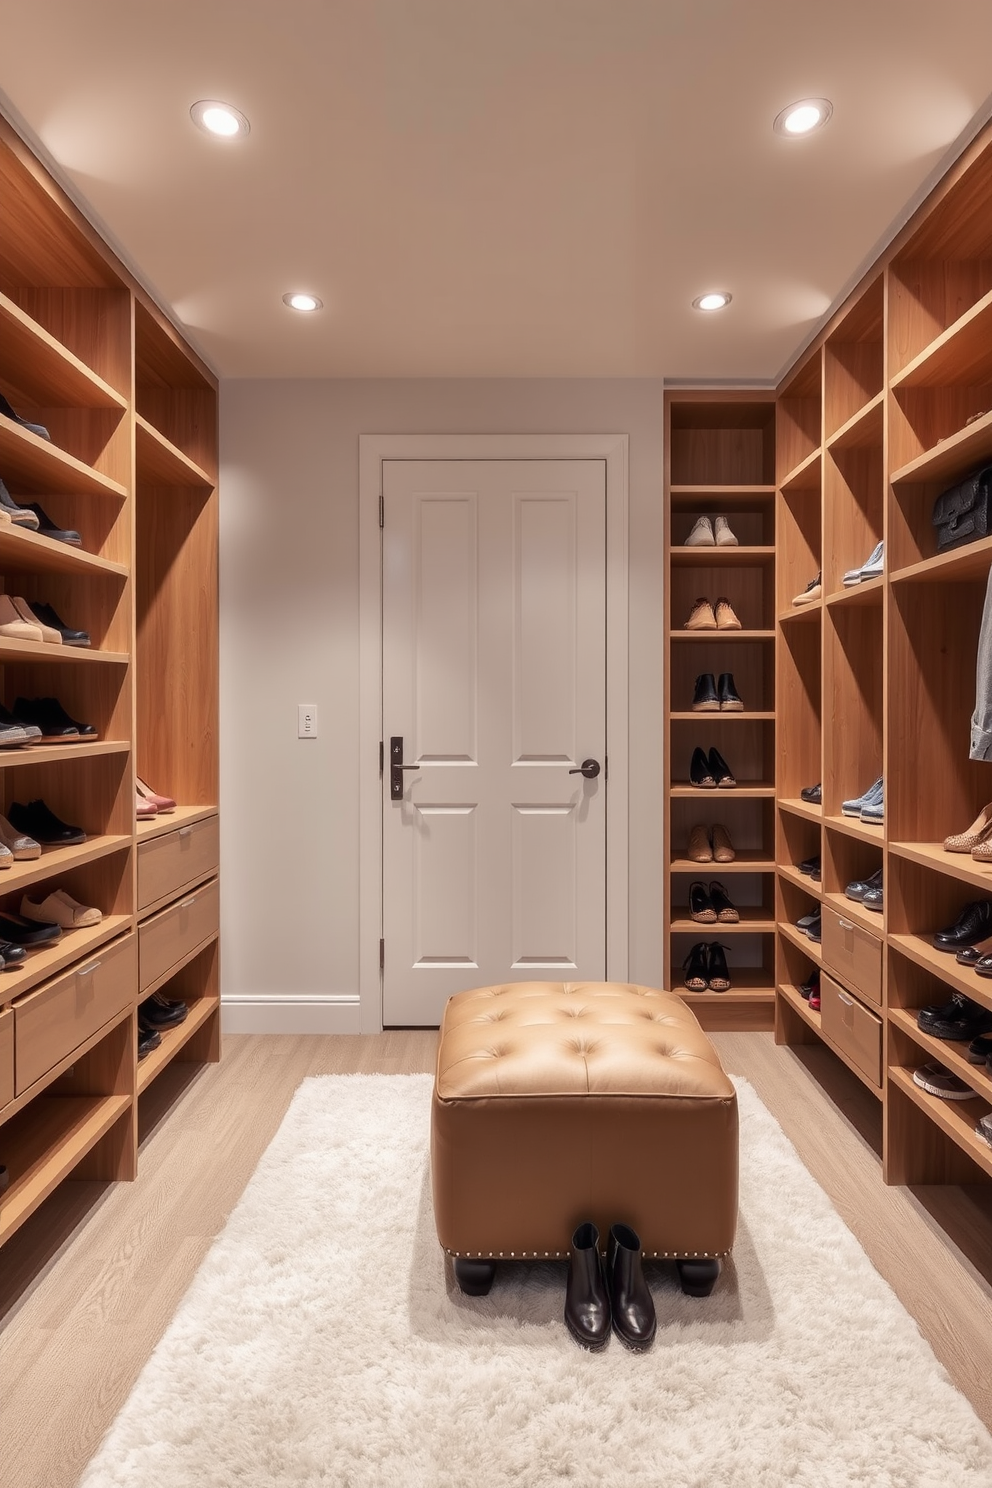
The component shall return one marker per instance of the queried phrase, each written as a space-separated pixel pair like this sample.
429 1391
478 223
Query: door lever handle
589 768
396 767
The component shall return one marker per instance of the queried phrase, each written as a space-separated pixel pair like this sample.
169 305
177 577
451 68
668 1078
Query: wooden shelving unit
721 462
132 462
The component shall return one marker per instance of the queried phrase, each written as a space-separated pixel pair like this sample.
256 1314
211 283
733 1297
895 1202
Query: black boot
634 1320
705 699
730 699
587 1305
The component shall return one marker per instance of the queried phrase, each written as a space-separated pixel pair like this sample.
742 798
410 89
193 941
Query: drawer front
6 1056
168 936
853 1028
167 863
854 954
56 1018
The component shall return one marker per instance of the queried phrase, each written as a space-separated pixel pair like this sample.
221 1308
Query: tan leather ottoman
559 1102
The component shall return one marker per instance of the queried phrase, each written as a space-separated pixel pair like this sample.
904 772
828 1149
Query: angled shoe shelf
131 468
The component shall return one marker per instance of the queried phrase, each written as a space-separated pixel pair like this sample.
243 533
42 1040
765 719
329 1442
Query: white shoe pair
707 534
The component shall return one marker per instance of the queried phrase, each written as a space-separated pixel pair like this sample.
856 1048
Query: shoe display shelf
720 462
70 320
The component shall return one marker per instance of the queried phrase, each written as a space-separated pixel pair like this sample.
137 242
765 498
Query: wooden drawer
854 954
168 863
56 1018
6 1056
171 934
852 1028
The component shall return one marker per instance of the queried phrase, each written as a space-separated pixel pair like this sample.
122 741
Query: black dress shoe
858 887
973 924
960 1018
811 868
701 906
11 955
705 698
874 898
700 773
47 528
631 1303
813 794
587 1302
148 1040
31 933
35 820
720 770
730 699
47 616
814 930
8 412
696 968
154 1014
50 716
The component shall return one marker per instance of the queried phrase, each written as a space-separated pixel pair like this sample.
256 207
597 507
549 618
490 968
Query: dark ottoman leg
474 1277
698 1276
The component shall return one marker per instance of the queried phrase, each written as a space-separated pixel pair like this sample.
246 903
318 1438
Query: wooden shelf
45 1142
853 826
48 754
74 945
971 561
868 592
55 860
61 655
946 1051
742 996
30 463
811 948
960 866
22 551
942 964
183 816
811 611
799 807
174 1039
160 463
727 557
753 921
951 458
723 635
798 1003
723 716
852 910
960 356
707 499
806 476
748 791
800 880
43 370
955 1118
863 430
743 863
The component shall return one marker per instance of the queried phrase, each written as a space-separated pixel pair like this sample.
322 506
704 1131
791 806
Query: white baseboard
303 1013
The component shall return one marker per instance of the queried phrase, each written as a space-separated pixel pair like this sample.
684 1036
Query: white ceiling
497 187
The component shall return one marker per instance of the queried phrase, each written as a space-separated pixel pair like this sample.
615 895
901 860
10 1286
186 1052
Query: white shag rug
323 1342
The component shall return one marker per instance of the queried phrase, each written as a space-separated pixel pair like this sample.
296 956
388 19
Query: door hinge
382 954
382 510
381 757
606 765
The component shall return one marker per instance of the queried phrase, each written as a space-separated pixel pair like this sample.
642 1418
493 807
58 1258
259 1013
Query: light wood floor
89 1284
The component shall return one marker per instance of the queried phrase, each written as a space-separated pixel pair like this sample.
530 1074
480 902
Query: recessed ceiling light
803 117
301 301
716 299
219 119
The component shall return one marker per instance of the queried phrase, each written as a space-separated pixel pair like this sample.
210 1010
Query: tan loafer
14 626
702 617
60 909
725 617
699 850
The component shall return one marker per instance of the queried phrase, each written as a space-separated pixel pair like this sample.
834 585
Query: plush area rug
323 1343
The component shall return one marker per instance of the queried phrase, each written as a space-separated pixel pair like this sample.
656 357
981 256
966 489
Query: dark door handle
588 768
396 767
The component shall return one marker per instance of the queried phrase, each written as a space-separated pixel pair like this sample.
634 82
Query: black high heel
718 973
720 770
696 968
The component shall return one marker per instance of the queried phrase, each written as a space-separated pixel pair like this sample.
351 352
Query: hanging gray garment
981 719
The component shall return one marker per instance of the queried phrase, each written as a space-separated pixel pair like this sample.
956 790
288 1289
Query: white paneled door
494 684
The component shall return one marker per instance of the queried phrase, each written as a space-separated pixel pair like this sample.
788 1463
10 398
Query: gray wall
289 634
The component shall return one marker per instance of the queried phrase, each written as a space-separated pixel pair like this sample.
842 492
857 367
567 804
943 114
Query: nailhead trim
654 1255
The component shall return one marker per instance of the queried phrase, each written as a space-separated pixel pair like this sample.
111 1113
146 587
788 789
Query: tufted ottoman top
574 1038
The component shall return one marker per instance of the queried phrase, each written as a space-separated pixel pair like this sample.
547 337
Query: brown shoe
702 617
725 617
965 841
723 848
699 850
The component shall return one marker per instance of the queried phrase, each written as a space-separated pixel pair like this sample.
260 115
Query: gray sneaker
984 1128
856 806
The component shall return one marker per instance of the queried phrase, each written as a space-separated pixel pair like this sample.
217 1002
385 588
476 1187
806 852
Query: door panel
494 675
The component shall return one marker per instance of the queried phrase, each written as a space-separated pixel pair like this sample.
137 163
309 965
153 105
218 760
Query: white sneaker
701 535
724 537
867 569
875 566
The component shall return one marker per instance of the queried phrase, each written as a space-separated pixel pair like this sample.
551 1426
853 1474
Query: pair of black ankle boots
608 1293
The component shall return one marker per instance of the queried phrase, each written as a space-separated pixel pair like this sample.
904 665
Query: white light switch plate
306 727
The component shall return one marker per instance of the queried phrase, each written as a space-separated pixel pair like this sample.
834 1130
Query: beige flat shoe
702 617
50 636
18 843
14 626
699 850
812 592
963 842
724 537
702 535
60 909
725 617
723 848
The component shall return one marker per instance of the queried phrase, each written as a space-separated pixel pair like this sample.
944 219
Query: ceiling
497 187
